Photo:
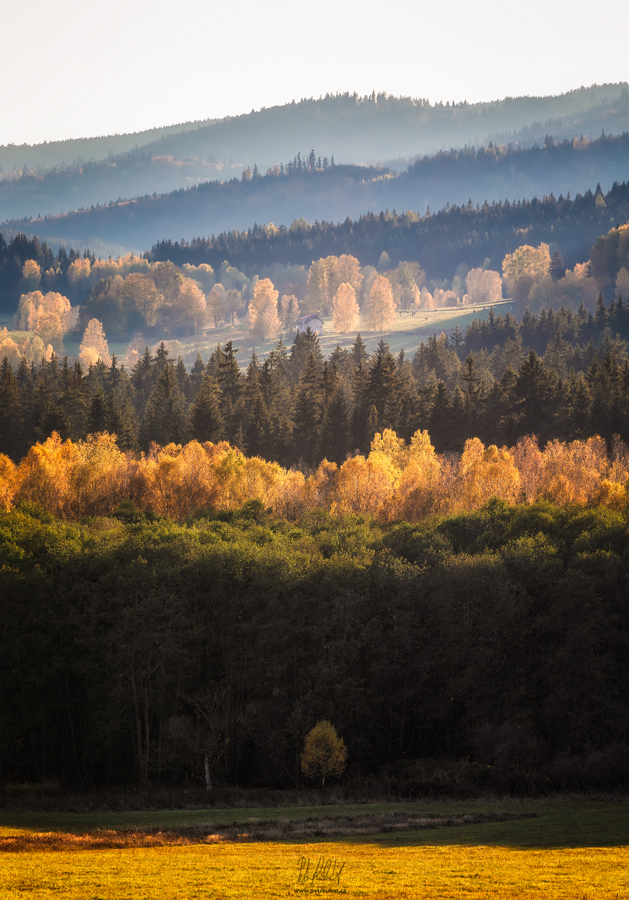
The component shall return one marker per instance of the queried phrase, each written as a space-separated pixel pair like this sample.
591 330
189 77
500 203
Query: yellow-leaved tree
31 275
8 481
324 753
487 472
190 309
483 286
345 310
94 345
380 311
46 314
216 307
264 322
524 267
418 492
327 275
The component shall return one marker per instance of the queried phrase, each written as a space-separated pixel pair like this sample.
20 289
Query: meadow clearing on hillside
563 849
406 333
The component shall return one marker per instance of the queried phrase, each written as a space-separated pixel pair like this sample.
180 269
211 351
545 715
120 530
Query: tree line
55 269
394 480
438 241
561 375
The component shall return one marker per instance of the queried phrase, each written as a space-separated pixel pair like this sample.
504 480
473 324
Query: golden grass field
570 849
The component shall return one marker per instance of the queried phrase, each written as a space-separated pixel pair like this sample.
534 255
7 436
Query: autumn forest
371 472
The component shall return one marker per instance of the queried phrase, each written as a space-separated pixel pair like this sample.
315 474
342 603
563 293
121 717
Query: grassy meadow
561 849
406 333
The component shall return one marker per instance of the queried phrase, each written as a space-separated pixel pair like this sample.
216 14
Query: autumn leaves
395 481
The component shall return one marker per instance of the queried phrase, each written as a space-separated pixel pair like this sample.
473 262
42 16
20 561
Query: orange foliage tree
397 480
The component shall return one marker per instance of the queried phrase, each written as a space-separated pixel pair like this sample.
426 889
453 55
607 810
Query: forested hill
312 190
355 129
48 179
439 242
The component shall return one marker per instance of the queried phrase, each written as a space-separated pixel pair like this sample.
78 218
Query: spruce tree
556 270
231 382
164 420
142 381
205 422
383 392
26 389
360 438
305 345
359 352
307 421
335 429
97 415
441 419
184 382
120 417
10 412
196 374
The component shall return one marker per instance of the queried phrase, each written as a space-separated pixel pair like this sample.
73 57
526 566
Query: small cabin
312 322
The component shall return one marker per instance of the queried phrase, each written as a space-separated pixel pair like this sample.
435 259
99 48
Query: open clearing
406 333
562 849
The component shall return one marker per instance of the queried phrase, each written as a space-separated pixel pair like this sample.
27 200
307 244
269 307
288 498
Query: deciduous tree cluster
394 481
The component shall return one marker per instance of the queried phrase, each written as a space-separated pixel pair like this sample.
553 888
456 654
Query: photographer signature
324 870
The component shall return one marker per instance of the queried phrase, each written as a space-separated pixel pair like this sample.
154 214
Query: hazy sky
73 68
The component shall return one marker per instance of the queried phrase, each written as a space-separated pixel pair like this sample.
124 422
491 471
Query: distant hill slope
354 129
439 242
128 175
340 192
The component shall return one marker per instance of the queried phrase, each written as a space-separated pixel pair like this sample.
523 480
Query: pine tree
307 421
383 392
360 437
120 417
97 415
10 412
335 429
164 420
556 270
205 422
142 381
196 374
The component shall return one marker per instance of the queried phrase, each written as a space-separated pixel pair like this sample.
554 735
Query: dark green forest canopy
500 637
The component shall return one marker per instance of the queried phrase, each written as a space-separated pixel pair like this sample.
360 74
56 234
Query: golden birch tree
380 311
264 322
45 314
94 345
345 310
324 753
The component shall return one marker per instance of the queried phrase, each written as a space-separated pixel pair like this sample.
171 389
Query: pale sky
77 68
